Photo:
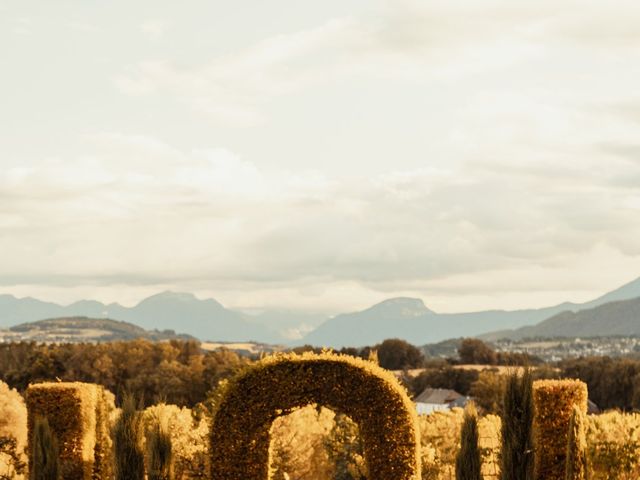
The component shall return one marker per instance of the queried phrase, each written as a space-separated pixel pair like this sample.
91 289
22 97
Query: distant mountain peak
406 306
175 296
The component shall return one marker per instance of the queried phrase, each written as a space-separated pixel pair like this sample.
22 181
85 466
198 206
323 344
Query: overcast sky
320 155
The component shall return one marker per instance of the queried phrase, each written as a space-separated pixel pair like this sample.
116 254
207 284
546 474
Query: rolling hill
84 329
620 317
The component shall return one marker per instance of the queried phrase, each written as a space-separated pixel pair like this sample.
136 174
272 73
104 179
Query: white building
437 399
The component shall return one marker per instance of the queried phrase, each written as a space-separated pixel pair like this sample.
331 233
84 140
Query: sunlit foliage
13 433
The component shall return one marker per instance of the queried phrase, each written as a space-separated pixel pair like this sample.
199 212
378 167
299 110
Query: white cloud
154 28
147 213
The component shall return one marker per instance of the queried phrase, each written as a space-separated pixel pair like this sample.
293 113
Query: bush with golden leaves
439 434
279 384
189 438
613 443
298 444
13 432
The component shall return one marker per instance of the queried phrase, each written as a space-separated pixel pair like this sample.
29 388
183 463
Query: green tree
517 427
445 376
396 354
468 462
476 352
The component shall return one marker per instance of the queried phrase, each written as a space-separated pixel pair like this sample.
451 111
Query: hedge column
277 385
70 409
554 401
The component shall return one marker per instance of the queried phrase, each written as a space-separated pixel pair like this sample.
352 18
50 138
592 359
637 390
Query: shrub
275 386
613 440
553 405
345 450
12 467
13 432
299 447
189 438
488 391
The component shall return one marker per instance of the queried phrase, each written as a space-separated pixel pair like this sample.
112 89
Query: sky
320 156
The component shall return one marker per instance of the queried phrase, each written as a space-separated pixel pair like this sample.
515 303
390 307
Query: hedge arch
277 385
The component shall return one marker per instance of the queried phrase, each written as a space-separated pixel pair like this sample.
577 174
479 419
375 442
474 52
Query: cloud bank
474 157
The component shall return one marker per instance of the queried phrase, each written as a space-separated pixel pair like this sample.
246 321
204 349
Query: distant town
556 349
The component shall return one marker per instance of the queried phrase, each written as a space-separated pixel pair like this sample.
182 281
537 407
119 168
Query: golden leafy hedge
553 404
277 385
78 414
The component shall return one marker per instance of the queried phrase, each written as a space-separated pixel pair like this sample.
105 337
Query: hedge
553 405
78 414
277 385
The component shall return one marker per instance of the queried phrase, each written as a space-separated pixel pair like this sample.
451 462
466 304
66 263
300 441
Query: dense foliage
305 442
13 433
476 352
612 382
310 442
442 375
177 372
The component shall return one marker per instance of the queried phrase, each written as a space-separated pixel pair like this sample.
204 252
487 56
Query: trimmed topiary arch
249 403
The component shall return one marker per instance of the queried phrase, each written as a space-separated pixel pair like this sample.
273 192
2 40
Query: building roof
440 396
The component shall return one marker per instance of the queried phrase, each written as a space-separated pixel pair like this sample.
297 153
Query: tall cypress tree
468 462
129 457
45 462
517 428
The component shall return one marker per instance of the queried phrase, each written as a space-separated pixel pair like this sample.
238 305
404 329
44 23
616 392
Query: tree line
181 373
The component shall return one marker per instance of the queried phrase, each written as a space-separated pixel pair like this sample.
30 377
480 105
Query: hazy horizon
320 157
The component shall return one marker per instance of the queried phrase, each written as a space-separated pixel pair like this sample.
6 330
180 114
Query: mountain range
411 320
406 318
181 312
